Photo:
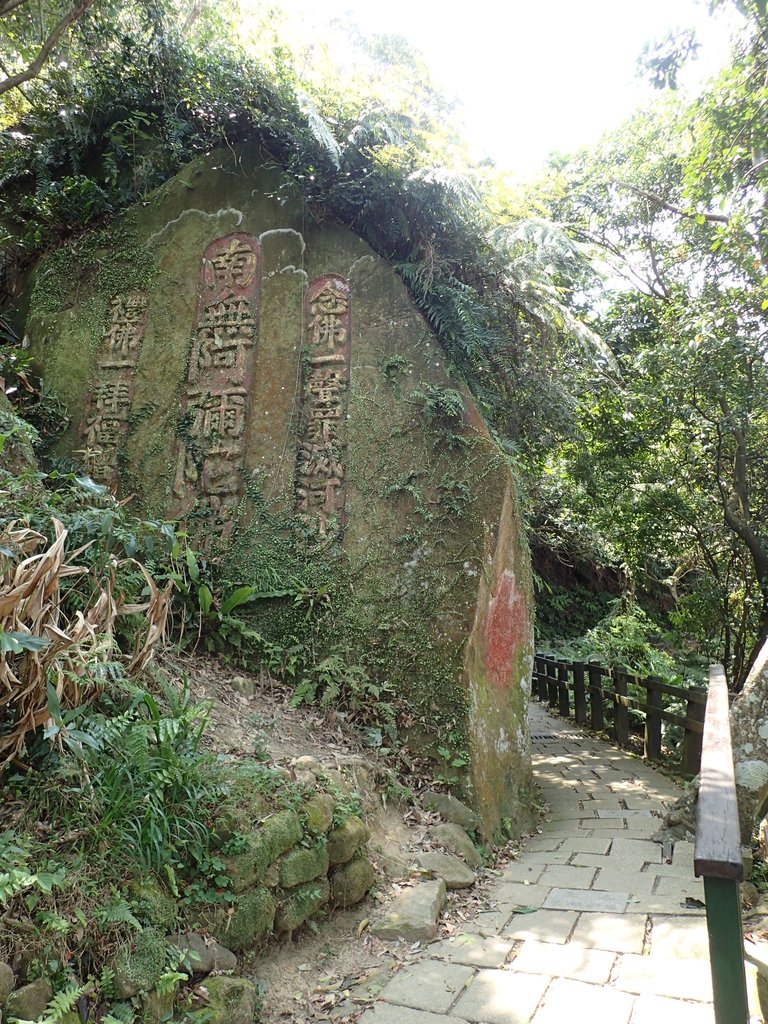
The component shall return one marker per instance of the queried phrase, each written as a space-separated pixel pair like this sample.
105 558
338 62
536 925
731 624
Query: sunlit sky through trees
533 77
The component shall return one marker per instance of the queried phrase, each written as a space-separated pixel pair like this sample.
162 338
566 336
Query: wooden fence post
652 742
579 696
695 712
597 719
620 710
552 682
563 702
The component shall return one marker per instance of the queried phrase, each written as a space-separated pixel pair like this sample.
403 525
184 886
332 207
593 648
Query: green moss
351 881
318 812
139 966
302 865
273 837
346 839
301 904
152 903
251 920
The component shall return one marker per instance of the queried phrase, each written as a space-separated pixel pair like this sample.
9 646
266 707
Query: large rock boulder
267 379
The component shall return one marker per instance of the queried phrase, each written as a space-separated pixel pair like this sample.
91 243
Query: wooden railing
591 693
717 857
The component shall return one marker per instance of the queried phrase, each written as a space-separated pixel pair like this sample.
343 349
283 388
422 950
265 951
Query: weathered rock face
749 736
268 380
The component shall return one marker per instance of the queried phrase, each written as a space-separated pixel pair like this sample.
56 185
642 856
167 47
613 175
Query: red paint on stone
505 630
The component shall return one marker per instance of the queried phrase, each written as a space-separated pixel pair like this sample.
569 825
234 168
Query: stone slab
544 925
568 877
596 860
657 1010
518 894
524 870
670 905
589 900
617 880
497 997
571 960
685 937
624 846
384 1013
427 985
581 844
413 914
621 933
681 887
472 949
543 857
579 1002
679 979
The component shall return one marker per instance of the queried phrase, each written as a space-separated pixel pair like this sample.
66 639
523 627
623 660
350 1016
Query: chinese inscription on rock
219 381
109 402
320 458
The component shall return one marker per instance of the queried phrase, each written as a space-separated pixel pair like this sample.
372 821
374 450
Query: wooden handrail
717 857
718 839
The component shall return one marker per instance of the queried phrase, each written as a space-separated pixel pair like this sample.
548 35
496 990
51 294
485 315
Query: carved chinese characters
320 459
219 382
109 402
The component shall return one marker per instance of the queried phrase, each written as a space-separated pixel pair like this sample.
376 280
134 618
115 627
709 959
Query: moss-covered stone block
28 1002
319 813
297 907
272 838
302 865
231 1000
152 903
7 982
251 920
157 1007
351 882
138 966
346 839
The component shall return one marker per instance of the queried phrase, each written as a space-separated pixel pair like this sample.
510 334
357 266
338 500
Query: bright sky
540 75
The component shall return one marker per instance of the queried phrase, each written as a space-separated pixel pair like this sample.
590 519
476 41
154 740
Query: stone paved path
588 924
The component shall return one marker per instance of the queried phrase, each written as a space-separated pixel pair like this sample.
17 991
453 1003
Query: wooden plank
717 853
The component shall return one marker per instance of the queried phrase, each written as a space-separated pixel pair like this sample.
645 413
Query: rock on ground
454 839
206 954
450 809
454 872
231 1000
413 914
29 1001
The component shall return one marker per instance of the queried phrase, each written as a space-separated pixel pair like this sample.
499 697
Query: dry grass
72 646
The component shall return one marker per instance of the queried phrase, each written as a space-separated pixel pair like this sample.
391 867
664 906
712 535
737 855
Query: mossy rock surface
319 813
7 982
431 579
28 1002
302 865
250 922
351 882
272 837
301 904
231 1001
139 966
153 904
346 839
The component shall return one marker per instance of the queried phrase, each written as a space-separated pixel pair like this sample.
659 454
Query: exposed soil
331 970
